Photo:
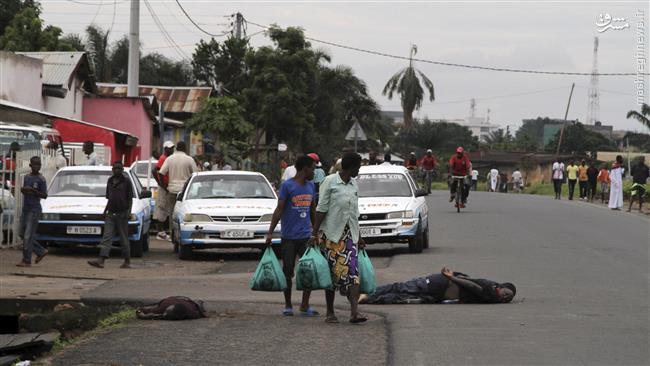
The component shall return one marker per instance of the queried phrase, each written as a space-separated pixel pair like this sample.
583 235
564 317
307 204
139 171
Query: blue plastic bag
366 273
313 271
268 276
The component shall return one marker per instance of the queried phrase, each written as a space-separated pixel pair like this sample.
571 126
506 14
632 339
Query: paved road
582 277
581 271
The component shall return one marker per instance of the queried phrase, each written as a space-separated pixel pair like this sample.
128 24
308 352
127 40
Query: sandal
359 318
287 312
309 312
332 319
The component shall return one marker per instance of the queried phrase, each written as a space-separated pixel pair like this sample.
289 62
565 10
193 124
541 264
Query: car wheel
185 252
415 243
145 243
136 249
425 238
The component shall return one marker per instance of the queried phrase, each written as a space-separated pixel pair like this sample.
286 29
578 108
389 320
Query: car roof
91 168
226 172
378 169
153 161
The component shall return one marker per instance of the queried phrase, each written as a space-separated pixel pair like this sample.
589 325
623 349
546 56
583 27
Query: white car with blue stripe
223 209
73 210
392 209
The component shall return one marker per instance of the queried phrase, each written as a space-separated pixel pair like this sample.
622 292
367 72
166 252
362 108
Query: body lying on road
443 286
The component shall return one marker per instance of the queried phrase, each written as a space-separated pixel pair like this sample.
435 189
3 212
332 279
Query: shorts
290 249
165 202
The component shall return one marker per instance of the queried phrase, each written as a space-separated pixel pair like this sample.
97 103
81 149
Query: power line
198 26
92 4
165 34
113 21
99 8
500 69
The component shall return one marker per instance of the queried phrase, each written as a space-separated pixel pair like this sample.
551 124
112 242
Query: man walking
572 173
91 156
583 180
178 167
474 179
119 193
558 178
603 179
640 175
493 179
295 210
616 188
517 181
164 199
34 189
592 175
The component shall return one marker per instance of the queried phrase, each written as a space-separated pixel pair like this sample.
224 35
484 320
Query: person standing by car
179 167
572 173
460 166
91 156
295 210
119 193
164 199
337 229
34 189
429 163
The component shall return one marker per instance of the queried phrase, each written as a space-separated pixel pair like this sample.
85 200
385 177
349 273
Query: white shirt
494 173
224 167
179 166
516 176
93 159
474 174
558 170
289 173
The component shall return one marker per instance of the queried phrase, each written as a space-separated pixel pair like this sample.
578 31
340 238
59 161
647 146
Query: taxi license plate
84 230
369 231
237 234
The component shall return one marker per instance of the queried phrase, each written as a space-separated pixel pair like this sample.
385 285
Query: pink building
134 115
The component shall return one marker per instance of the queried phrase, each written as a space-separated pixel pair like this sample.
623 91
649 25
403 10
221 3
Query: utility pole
134 51
239 25
566 114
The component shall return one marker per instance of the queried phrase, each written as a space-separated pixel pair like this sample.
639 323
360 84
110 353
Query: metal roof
177 99
58 67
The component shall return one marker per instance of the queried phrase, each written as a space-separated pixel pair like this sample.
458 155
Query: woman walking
616 189
337 231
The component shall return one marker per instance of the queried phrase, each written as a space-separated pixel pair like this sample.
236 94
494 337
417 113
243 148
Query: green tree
222 65
156 69
119 60
99 51
25 32
579 140
641 116
441 137
499 139
640 141
74 42
407 84
9 9
224 118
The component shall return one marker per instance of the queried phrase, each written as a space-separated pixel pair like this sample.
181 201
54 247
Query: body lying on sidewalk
446 285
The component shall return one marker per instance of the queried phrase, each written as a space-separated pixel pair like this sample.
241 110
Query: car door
420 202
143 203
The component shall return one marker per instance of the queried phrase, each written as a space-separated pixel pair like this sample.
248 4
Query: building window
485 129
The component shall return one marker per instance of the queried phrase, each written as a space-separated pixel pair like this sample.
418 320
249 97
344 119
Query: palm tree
407 84
641 117
100 52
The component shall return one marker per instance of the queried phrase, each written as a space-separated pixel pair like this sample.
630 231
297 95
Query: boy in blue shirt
34 189
296 208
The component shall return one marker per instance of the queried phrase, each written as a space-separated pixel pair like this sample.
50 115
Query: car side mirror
145 193
179 196
420 192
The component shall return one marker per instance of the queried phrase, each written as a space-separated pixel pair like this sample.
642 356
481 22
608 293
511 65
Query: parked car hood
81 205
383 204
216 207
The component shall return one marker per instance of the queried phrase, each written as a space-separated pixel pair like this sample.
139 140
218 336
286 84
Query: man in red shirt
162 211
429 163
460 165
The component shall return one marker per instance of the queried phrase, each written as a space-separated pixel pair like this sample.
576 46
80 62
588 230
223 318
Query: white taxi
223 209
392 208
73 210
141 170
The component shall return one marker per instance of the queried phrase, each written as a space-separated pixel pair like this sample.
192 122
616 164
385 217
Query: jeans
400 292
572 187
474 184
583 188
116 222
28 226
557 186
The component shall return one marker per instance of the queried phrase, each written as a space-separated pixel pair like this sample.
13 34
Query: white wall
70 106
21 79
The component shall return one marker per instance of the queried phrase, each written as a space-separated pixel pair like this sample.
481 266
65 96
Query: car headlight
196 218
266 218
400 215
133 217
51 216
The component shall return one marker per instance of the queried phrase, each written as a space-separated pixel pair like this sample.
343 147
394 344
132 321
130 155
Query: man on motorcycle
460 166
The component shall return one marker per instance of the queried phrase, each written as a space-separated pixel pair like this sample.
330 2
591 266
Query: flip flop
287 312
359 318
309 312
332 319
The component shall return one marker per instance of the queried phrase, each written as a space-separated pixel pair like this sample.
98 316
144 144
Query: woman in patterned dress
337 231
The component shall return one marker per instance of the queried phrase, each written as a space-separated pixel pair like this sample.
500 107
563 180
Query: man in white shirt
493 179
179 167
289 173
517 180
474 179
92 158
558 178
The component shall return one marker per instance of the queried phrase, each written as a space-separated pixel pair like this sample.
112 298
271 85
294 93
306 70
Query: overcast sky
536 35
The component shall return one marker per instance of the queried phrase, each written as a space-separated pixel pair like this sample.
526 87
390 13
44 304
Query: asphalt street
581 273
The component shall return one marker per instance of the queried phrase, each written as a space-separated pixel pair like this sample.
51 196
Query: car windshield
141 168
79 184
383 185
28 140
229 186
